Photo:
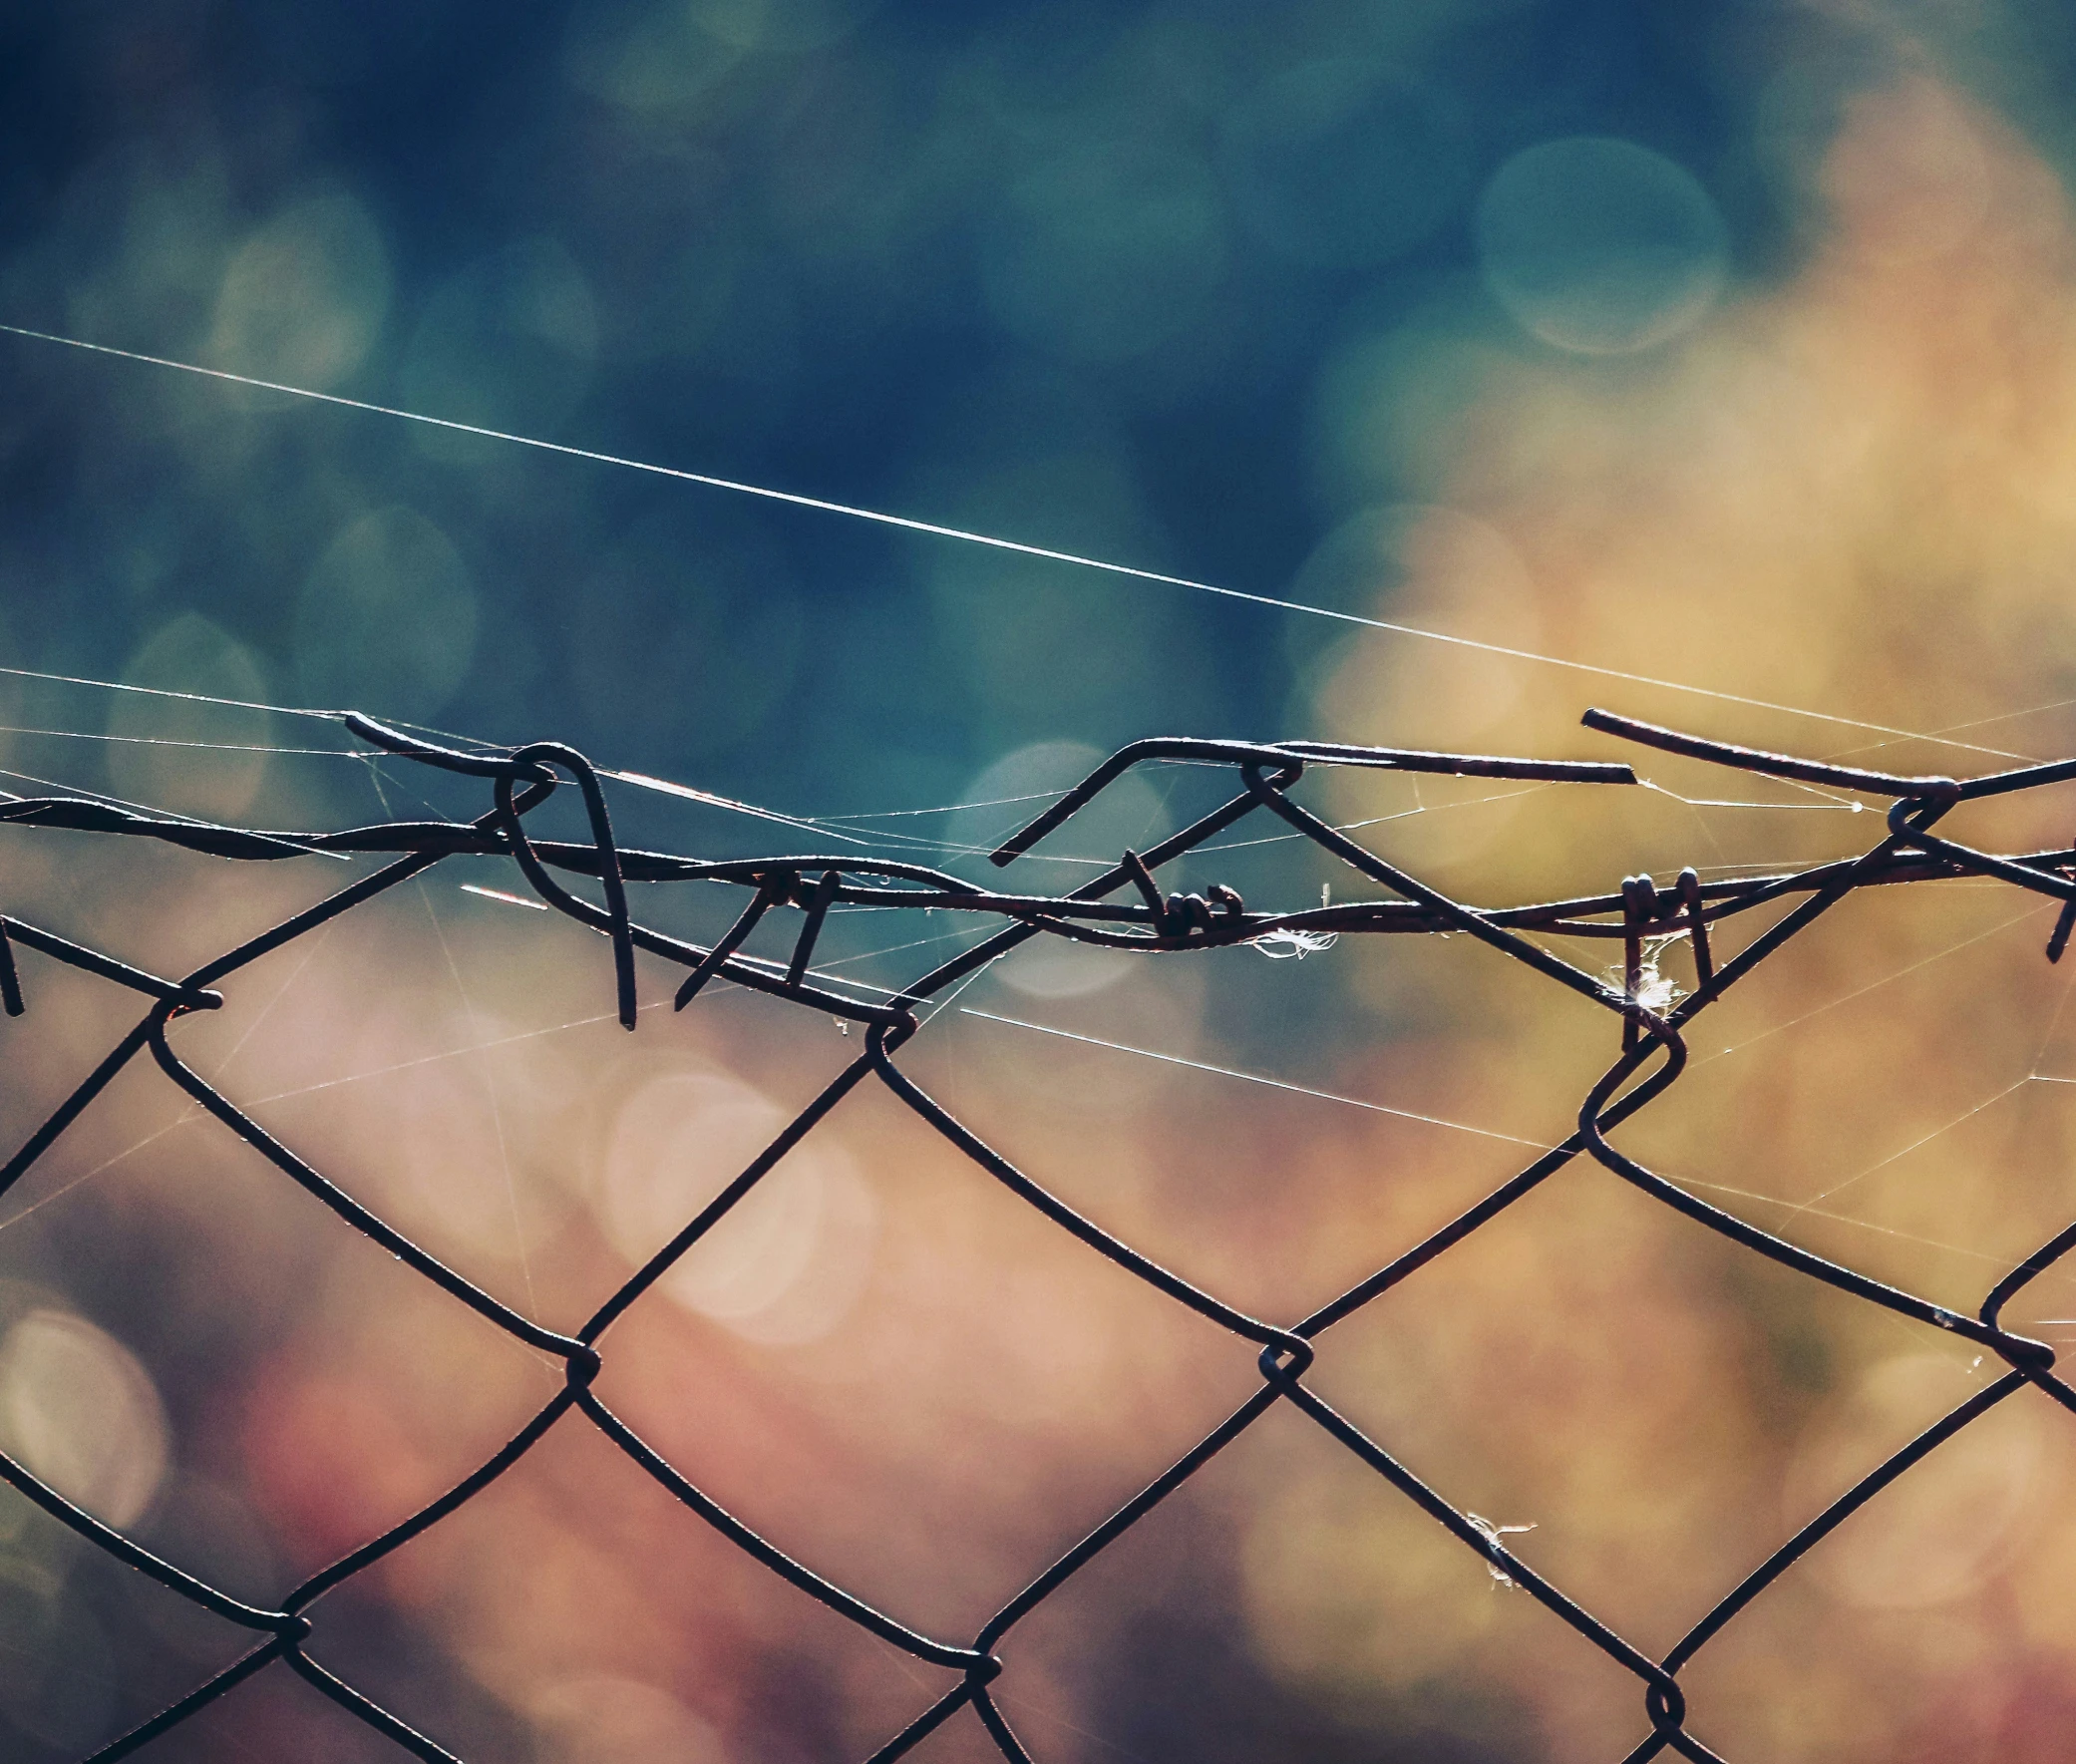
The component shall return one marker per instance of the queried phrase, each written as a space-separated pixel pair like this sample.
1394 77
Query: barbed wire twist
1654 1052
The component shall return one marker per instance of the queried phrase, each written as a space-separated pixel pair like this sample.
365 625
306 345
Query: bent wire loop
1122 907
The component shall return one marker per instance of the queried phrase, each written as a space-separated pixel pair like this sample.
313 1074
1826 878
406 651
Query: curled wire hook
613 920
526 765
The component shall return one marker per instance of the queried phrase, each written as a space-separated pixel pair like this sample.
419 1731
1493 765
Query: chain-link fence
1124 907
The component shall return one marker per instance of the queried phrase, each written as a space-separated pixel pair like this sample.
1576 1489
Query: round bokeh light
1600 246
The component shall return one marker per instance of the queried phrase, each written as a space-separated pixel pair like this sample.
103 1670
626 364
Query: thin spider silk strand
965 535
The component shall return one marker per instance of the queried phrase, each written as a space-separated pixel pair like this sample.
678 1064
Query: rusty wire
1653 1053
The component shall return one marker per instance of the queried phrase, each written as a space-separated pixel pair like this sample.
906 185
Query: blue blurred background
1125 279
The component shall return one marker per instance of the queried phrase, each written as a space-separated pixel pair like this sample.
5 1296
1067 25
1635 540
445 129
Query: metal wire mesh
1123 907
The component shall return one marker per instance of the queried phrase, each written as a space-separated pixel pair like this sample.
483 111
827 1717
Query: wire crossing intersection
1123 907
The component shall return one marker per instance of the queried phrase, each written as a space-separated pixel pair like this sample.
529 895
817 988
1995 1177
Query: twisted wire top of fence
1123 907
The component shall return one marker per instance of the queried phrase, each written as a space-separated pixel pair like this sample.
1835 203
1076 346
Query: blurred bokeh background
1726 354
